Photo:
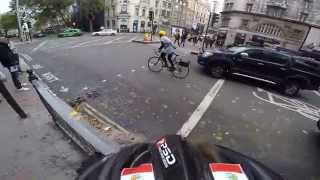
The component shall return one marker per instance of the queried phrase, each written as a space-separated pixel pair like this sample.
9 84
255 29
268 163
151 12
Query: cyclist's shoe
172 68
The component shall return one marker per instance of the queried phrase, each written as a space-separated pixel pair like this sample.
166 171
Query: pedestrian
10 60
177 38
206 41
195 40
212 40
184 38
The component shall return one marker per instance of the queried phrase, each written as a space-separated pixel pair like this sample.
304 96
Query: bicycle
156 64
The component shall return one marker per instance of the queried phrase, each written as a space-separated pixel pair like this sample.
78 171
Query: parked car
39 35
105 32
12 33
70 32
289 72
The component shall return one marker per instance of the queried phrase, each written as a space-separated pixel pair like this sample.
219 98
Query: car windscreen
236 50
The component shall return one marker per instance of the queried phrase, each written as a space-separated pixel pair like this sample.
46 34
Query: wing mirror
244 55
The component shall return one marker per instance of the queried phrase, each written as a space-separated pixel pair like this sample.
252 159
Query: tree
46 9
89 8
8 21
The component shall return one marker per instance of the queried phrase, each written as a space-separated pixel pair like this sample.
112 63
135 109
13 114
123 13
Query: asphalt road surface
254 119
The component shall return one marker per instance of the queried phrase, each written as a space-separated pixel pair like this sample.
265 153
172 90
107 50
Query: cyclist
167 48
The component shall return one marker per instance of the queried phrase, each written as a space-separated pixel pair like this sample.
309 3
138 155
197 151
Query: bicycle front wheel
155 64
181 72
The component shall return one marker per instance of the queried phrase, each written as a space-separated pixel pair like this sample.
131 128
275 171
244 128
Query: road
252 118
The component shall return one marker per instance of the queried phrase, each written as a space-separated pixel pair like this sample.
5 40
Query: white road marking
317 93
195 117
36 66
39 46
109 42
307 110
87 42
64 89
26 57
50 77
130 40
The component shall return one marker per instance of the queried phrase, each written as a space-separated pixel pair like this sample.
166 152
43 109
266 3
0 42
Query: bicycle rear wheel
155 64
181 72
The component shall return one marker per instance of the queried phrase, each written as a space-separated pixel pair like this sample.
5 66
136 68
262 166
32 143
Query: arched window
269 29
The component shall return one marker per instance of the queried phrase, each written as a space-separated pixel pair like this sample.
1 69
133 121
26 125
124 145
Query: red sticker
143 168
216 167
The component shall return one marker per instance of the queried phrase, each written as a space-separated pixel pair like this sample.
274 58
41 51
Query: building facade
283 23
132 15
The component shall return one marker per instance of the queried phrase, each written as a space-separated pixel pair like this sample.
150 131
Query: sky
4 6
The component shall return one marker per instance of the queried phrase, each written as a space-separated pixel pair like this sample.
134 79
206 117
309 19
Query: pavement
247 116
34 148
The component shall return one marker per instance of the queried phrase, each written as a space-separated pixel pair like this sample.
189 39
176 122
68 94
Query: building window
168 13
113 11
157 3
275 11
225 22
249 7
307 4
228 6
156 12
303 17
137 11
244 23
108 12
164 4
269 29
143 12
163 13
169 5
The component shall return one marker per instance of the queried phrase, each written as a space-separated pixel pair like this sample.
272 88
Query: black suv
290 72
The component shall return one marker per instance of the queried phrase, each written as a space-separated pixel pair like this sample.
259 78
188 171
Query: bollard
11 101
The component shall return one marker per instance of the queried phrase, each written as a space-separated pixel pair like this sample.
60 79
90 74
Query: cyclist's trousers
163 56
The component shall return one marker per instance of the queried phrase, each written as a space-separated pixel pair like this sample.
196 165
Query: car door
248 62
275 65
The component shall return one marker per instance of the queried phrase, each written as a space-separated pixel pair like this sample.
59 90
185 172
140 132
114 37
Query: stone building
132 15
284 23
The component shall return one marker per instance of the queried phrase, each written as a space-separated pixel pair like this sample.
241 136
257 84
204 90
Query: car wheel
217 70
113 34
318 124
291 88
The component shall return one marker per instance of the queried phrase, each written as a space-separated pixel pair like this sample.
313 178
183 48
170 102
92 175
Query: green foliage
8 21
46 9
91 7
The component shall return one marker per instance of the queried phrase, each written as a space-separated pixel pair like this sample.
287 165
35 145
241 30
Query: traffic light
150 15
214 19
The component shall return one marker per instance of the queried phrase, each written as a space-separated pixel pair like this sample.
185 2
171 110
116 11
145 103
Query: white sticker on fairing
168 158
224 171
142 172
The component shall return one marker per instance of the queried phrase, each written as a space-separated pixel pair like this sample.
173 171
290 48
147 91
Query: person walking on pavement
184 38
212 40
177 38
10 60
195 40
